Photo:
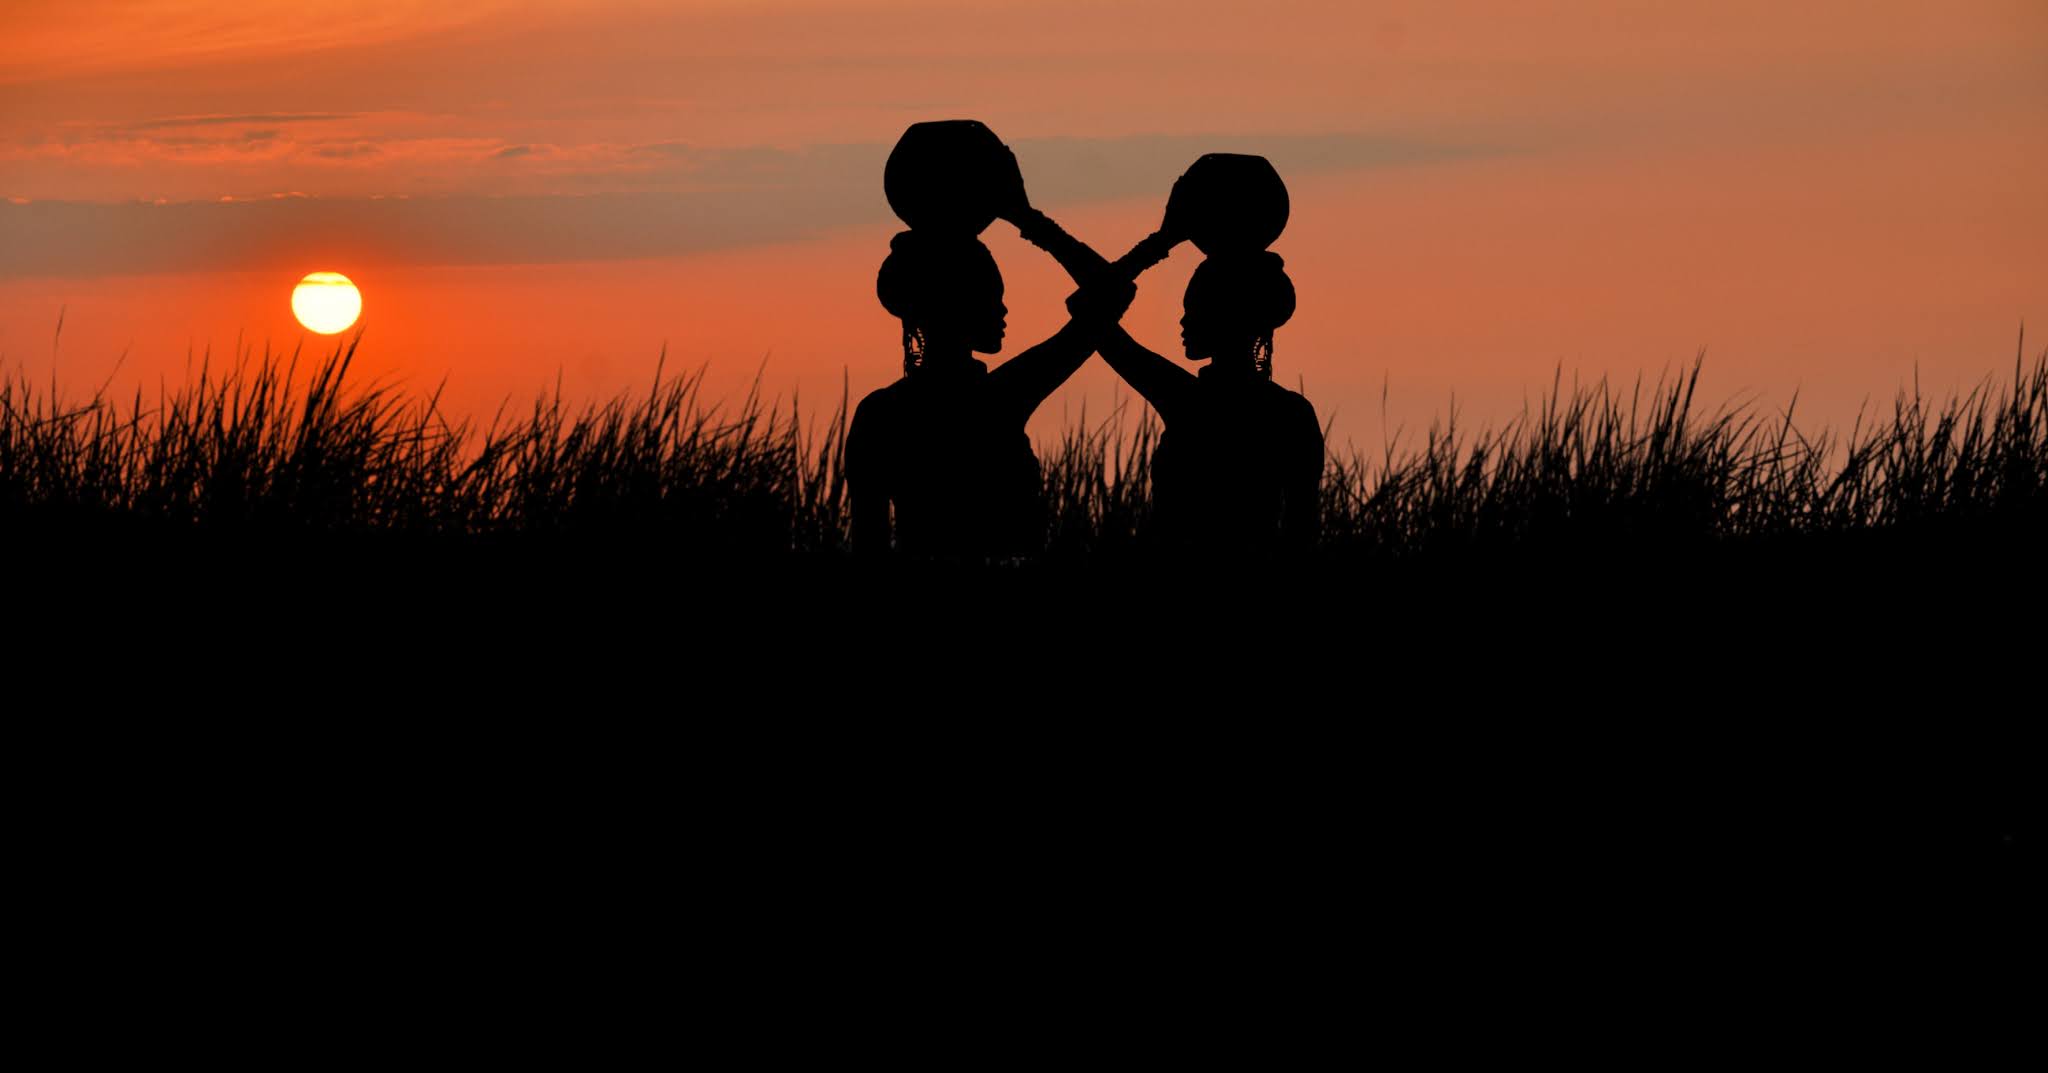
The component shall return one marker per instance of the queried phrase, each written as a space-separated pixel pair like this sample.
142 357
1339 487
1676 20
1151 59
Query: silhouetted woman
944 446
1239 466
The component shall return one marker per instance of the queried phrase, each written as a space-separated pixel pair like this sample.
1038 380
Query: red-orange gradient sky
1820 195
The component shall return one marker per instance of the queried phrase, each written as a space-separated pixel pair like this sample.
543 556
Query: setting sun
326 302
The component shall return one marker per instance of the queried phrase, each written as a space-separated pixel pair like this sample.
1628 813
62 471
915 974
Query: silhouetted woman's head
1233 304
946 289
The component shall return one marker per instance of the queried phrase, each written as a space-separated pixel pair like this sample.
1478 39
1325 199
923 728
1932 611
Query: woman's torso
1227 460
956 466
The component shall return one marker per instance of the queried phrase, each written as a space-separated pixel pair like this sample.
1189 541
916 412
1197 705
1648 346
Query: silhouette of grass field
275 451
1800 640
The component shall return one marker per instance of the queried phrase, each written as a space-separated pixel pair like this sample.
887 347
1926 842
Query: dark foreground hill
1609 658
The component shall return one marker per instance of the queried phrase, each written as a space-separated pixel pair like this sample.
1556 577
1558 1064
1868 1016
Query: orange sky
1820 195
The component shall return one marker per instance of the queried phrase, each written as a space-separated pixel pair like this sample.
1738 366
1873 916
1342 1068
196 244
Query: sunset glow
1826 198
1216 434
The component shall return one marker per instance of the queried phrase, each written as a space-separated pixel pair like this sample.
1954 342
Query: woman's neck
944 356
1233 363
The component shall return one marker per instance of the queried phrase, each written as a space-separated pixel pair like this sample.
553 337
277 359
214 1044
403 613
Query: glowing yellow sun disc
326 302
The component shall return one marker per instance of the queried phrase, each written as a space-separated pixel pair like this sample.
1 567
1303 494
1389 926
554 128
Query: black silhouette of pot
1229 203
950 175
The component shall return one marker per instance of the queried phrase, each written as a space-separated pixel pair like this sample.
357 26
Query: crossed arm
1162 383
1025 381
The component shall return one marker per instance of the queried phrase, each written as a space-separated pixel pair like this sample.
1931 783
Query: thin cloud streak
214 120
733 199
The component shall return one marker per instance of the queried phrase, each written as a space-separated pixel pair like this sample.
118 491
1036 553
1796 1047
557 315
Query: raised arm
1080 260
1105 293
1082 263
1162 383
1027 379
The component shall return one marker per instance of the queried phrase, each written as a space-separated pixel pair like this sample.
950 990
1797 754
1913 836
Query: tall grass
1598 466
254 449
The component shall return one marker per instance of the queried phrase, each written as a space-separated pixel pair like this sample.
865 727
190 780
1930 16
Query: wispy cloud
220 120
97 36
717 198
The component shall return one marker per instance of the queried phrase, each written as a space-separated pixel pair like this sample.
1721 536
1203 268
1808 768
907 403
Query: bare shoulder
883 396
877 405
872 432
1294 405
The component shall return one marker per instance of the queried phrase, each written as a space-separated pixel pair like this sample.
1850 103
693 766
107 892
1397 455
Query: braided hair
1249 294
928 275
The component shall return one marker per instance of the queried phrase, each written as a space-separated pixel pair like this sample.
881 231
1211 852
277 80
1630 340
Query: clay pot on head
1230 203
949 175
